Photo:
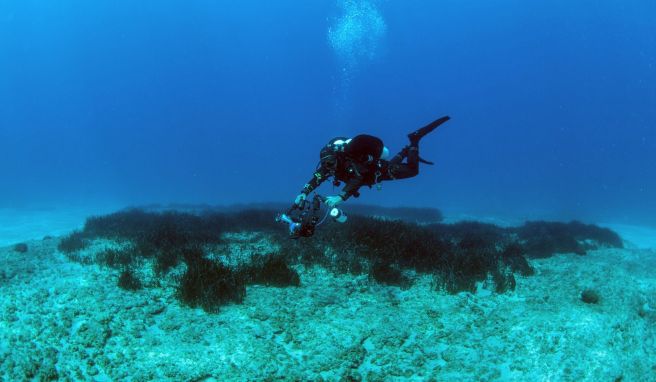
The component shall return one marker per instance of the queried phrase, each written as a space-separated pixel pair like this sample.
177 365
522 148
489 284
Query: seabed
63 320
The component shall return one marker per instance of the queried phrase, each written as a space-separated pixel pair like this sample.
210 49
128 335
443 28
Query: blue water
123 102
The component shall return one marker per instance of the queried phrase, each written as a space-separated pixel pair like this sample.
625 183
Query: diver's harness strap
378 164
377 182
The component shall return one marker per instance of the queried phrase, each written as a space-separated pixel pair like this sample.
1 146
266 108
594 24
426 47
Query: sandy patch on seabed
63 320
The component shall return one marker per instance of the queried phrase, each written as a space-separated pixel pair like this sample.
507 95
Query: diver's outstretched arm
318 177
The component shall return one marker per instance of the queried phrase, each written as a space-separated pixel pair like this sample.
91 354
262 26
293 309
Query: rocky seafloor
62 320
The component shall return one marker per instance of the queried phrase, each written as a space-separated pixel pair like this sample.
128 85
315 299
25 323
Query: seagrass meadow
142 295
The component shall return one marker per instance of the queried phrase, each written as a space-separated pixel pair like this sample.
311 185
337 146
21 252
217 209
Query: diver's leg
398 158
414 138
413 159
397 170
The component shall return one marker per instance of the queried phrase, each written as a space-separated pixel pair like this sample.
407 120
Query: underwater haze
150 151
118 103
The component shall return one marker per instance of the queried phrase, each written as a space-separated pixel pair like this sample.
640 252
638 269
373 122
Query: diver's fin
415 136
422 160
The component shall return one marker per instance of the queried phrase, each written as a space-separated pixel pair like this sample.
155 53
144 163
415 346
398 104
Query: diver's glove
332 201
300 199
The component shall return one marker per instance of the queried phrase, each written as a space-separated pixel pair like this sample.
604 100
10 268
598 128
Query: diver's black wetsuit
358 167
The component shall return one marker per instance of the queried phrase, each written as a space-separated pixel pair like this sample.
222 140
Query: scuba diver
363 161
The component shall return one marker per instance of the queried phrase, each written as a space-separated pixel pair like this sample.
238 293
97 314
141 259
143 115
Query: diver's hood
330 151
338 144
